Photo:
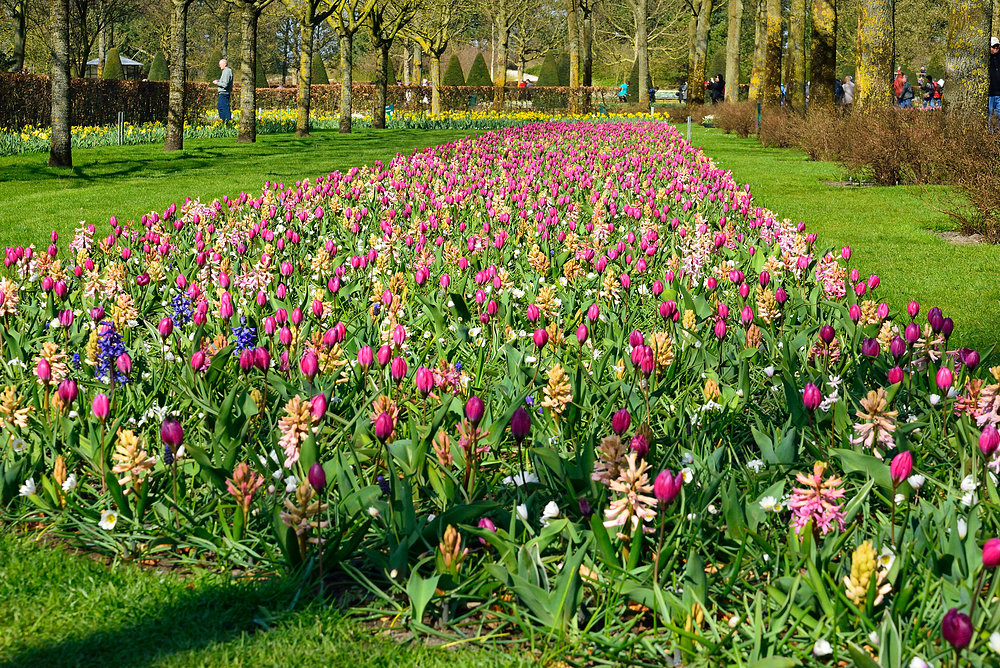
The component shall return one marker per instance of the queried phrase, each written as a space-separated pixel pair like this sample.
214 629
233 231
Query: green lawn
129 181
890 230
65 609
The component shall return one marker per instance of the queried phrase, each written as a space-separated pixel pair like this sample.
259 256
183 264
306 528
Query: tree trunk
966 66
417 66
174 140
500 78
733 50
588 48
875 53
20 20
795 63
60 149
641 14
305 75
406 63
346 81
759 49
227 13
573 35
435 84
702 26
101 40
381 83
248 69
823 56
771 93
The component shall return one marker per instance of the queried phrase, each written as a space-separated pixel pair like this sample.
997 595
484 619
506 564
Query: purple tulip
165 328
811 397
309 365
383 427
317 477
397 370
956 628
989 439
317 406
900 468
474 409
172 434
667 486
520 424
895 375
425 380
540 338
991 553
897 348
621 421
870 348
68 391
912 332
944 378
639 445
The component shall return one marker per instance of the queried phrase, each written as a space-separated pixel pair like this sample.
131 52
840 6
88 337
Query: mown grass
130 181
891 230
65 609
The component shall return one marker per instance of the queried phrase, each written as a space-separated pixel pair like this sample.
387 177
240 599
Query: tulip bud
172 434
582 333
639 445
384 355
540 337
317 407
474 409
870 348
912 332
68 391
520 424
593 313
897 348
944 378
533 313
900 468
198 360
365 357
989 440
425 381
397 370
913 308
317 477
991 553
383 427
44 371
621 421
165 328
956 628
720 329
262 359
101 406
667 487
826 332
124 363
246 360
309 365
895 375
811 397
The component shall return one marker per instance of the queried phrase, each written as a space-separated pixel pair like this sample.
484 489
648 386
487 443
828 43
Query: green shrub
479 74
562 63
261 79
549 74
212 69
633 83
159 71
319 75
453 75
112 65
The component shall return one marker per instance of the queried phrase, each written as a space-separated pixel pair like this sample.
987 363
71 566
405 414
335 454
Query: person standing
994 72
225 86
623 92
848 87
906 97
897 86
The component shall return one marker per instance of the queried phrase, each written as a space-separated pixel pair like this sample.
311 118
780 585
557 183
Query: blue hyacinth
244 338
109 348
182 310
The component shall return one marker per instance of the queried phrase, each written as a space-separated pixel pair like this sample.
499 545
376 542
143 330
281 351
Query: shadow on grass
187 620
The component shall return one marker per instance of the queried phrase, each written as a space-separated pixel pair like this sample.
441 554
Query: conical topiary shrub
261 80
563 66
549 74
453 75
212 69
633 83
479 74
319 74
159 71
112 65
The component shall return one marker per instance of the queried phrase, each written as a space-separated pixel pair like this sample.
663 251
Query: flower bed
562 376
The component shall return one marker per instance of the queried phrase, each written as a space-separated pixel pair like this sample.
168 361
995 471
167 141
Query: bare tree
966 65
733 32
310 14
771 93
60 150
348 18
795 58
875 53
823 53
759 49
386 20
252 10
433 27
640 15
17 10
174 140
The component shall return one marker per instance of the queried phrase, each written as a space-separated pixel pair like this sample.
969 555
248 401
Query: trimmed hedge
212 69
112 65
159 71
479 73
319 76
97 101
453 75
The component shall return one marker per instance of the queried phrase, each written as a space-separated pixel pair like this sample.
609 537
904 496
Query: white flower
69 483
934 399
769 371
691 517
995 642
291 482
756 465
899 499
550 512
29 487
873 638
969 483
963 528
109 519
520 479
373 511
916 481
687 459
688 474
712 510
522 512
917 662
19 444
770 503
886 558
734 621
822 648
969 499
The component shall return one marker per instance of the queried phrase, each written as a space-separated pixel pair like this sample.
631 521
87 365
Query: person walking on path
225 86
906 97
623 92
994 71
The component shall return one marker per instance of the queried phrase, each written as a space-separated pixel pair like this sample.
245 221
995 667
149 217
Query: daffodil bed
563 380
279 121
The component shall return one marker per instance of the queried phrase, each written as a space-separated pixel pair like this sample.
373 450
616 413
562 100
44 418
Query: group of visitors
716 89
930 90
